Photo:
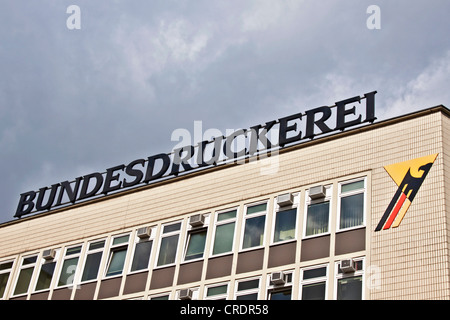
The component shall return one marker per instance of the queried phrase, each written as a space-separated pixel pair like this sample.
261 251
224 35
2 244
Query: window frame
257 290
277 209
357 273
161 236
86 254
10 275
135 243
351 193
42 262
222 296
220 223
22 267
63 258
328 197
114 248
188 239
280 288
314 280
252 216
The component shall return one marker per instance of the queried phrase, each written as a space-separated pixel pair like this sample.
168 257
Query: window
117 255
247 289
5 271
141 258
69 267
164 296
224 232
45 274
285 225
93 259
351 208
318 214
217 292
195 244
350 285
255 219
280 291
314 283
169 244
25 275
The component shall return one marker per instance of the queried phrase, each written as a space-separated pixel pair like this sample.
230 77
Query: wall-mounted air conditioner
48 254
278 278
185 294
286 199
197 220
347 265
317 192
144 232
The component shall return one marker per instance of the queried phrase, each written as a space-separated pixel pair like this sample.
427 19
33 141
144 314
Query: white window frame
218 296
114 247
277 209
350 193
134 244
93 251
55 271
257 290
223 222
10 276
308 201
22 266
63 258
314 280
247 217
168 234
274 288
357 273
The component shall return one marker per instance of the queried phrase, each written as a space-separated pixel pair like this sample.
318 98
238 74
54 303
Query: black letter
285 128
51 198
99 180
255 137
177 159
72 194
110 177
310 121
229 140
26 199
215 152
370 107
134 173
341 124
151 164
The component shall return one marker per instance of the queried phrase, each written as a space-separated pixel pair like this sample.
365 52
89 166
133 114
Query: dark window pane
45 276
91 267
141 255
350 288
314 291
352 211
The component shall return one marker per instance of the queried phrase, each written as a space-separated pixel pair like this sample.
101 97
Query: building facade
311 222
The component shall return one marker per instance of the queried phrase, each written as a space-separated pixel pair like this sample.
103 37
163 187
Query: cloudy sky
76 101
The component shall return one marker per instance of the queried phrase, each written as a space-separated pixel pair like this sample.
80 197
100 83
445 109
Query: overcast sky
77 101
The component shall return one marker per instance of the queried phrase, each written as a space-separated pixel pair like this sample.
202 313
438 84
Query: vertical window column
352 203
168 247
25 275
117 255
224 232
5 272
255 220
69 267
93 259
317 210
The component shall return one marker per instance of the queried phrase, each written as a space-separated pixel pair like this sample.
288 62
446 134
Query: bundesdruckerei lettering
143 171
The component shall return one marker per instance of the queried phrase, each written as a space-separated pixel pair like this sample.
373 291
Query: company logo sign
318 121
409 176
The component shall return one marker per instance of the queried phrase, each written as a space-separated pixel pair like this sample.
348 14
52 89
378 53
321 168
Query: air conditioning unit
197 220
347 265
48 254
317 192
278 278
286 199
186 294
144 232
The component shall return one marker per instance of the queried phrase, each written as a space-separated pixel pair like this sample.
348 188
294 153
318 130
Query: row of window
82 263
313 285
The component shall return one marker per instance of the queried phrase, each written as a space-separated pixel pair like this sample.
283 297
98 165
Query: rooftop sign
317 121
